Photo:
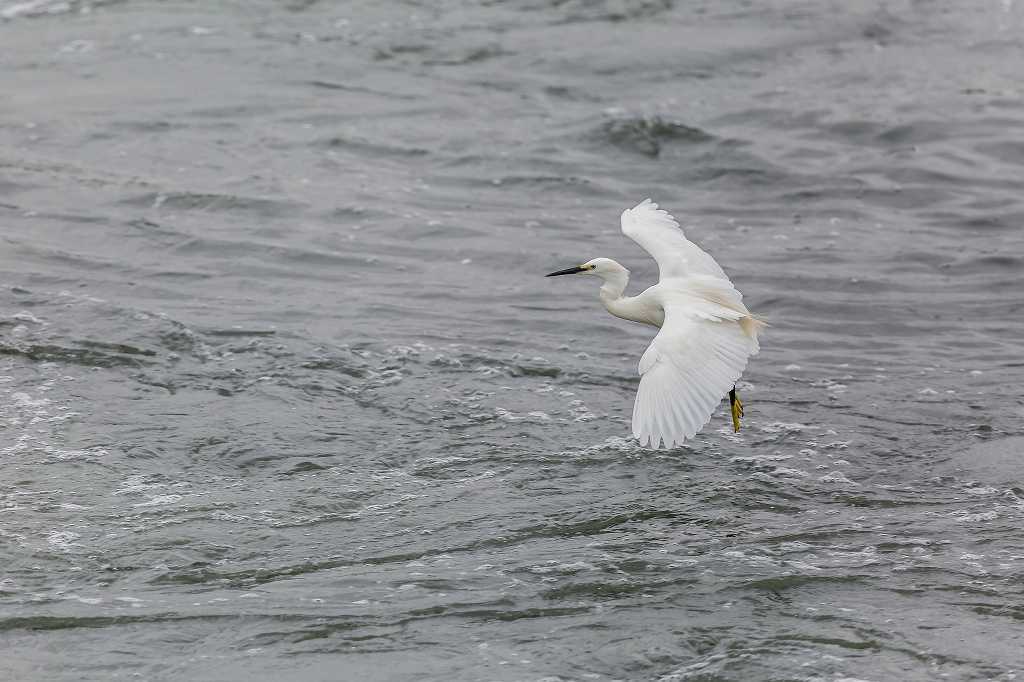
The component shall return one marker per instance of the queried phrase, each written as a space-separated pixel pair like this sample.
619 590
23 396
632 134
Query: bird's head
603 267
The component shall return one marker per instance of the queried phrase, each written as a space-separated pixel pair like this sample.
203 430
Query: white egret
706 337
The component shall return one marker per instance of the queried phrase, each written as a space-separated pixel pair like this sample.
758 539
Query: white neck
628 308
614 284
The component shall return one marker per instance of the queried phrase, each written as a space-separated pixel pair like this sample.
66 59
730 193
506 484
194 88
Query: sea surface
284 394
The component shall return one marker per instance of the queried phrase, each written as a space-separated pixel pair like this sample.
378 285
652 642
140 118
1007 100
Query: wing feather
691 364
660 235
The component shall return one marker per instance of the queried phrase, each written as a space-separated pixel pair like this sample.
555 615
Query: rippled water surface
284 395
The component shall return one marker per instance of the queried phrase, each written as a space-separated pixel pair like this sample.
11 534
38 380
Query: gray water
285 396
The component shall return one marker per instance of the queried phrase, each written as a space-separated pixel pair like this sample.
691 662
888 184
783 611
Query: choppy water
284 395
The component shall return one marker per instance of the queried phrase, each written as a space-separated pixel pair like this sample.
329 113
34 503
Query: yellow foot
737 410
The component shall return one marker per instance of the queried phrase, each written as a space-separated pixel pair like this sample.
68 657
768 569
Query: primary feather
695 359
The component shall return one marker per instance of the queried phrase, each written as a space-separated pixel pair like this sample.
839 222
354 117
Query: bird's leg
737 409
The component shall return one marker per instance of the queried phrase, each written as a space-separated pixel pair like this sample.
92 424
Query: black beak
567 271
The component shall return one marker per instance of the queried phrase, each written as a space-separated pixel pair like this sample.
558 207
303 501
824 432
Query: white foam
837 477
160 500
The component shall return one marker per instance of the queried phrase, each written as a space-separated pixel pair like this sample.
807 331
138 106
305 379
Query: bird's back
709 296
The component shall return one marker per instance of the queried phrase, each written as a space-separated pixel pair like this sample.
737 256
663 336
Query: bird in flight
706 337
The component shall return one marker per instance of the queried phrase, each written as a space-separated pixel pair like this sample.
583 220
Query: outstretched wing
660 235
696 358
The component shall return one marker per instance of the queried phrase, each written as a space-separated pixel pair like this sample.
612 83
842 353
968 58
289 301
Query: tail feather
753 327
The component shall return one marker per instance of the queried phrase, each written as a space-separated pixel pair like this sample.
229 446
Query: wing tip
629 211
649 207
631 217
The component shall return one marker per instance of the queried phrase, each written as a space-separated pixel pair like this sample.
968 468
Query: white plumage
706 336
